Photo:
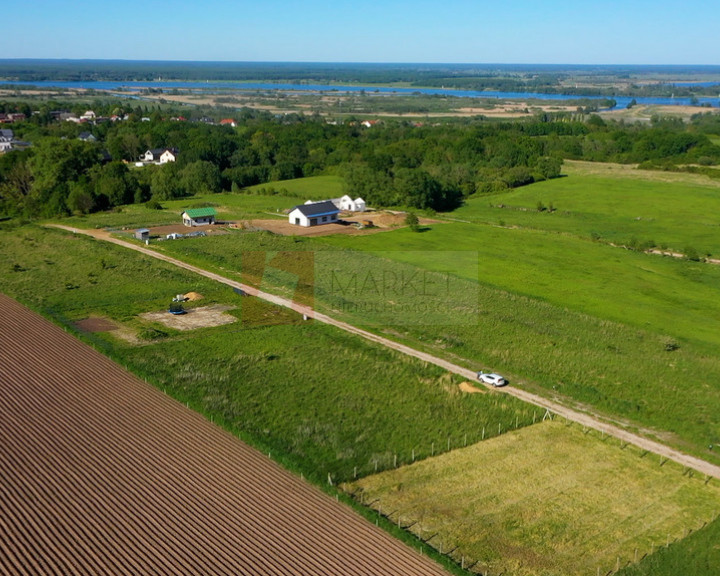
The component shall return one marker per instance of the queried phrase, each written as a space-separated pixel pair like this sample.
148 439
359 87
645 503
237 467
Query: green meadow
595 361
547 500
311 188
611 206
661 294
324 402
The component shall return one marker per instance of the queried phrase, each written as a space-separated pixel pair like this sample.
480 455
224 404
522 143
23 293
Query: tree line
394 163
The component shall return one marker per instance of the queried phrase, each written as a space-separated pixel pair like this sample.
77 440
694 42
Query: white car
491 378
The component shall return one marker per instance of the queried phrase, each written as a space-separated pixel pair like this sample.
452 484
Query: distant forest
550 79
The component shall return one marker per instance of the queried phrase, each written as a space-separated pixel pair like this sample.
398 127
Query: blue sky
502 31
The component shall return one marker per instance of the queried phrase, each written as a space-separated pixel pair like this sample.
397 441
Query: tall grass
550 499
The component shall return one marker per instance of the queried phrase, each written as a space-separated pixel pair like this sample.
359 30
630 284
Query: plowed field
101 473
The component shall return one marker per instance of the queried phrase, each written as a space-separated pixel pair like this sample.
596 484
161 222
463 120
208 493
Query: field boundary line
554 407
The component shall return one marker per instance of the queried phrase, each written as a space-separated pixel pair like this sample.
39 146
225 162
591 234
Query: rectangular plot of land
96 324
547 499
203 317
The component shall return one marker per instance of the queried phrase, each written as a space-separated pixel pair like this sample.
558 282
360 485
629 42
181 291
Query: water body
134 87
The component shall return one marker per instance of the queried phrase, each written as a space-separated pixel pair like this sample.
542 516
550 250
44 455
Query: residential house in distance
86 137
228 122
314 214
11 117
6 140
198 217
347 203
159 156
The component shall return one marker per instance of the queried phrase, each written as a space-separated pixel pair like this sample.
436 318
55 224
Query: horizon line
356 63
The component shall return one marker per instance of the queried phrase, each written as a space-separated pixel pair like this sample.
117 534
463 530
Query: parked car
492 379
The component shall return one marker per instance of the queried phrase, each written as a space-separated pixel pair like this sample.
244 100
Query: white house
347 203
199 217
159 155
314 214
168 156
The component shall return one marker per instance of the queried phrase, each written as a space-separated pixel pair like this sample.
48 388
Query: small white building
347 203
314 214
198 217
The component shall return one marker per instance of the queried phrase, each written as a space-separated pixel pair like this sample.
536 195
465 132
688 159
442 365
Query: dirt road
555 408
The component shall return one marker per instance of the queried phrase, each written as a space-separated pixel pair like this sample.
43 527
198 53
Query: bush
412 221
691 254
153 204
152 334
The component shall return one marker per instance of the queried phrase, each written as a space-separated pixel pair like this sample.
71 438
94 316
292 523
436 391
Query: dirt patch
470 388
96 324
381 221
284 228
203 317
163 231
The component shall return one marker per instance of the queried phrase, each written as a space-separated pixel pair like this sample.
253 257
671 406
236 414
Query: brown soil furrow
146 516
104 474
50 494
183 504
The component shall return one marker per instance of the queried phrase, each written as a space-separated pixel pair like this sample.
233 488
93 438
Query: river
132 87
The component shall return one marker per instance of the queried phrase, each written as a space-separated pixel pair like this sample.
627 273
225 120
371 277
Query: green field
663 295
673 211
544 298
377 409
548 500
311 188
263 201
593 361
323 401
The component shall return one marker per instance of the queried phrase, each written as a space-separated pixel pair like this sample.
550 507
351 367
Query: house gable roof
200 212
160 151
317 209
